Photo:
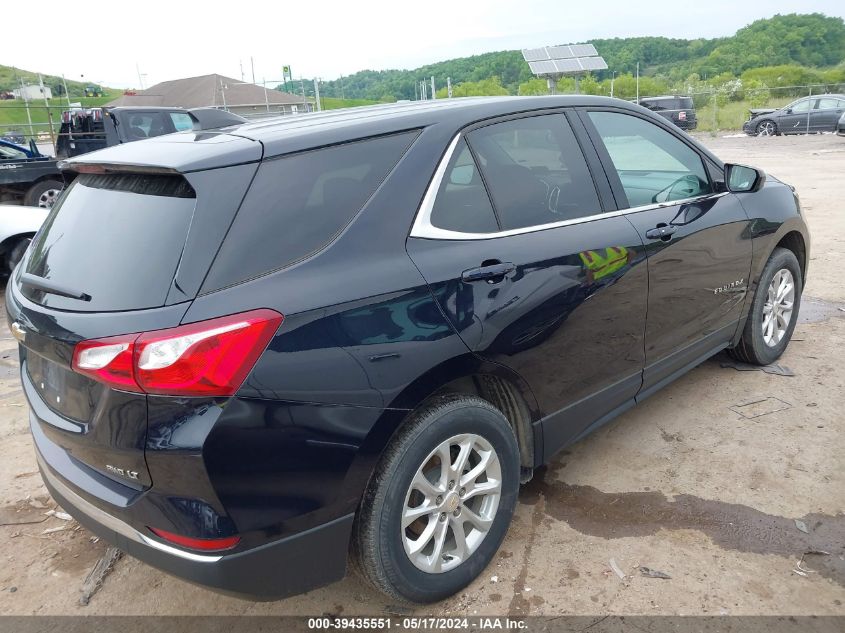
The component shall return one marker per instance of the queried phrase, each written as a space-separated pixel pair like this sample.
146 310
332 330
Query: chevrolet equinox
254 353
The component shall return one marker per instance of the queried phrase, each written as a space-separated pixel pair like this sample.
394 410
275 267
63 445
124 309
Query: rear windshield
298 204
117 238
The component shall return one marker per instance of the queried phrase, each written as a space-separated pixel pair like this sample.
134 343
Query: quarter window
462 203
535 171
297 204
653 165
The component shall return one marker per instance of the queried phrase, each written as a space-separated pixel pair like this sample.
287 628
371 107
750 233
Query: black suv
252 351
678 109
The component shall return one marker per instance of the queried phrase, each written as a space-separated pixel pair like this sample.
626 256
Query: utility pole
223 95
49 112
252 63
67 94
342 96
266 96
433 93
612 79
638 83
241 62
449 86
140 75
317 94
26 103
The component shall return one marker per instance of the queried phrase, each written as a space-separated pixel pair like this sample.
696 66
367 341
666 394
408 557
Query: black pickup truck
28 177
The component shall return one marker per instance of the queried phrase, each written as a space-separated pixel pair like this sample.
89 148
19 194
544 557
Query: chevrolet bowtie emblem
18 332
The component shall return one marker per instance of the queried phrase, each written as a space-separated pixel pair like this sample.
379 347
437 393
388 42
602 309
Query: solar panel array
563 60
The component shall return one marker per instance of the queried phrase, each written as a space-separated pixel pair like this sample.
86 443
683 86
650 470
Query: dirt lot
690 483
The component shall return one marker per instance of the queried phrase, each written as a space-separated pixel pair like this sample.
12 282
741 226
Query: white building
30 93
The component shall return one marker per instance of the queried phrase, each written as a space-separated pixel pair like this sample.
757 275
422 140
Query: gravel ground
690 483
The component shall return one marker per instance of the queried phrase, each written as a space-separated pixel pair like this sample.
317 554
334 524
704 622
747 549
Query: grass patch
733 114
13 113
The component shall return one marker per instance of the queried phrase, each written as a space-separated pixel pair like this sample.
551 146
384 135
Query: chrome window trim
423 228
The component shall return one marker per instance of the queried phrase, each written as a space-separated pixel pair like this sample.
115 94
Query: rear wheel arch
465 375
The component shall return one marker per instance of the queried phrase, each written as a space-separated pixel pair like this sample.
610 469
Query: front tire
440 502
767 127
16 252
774 311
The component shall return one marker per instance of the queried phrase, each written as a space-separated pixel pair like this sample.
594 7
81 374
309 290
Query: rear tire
774 311
43 194
406 538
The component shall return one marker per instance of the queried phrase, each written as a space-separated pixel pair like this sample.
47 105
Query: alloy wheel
47 199
451 503
766 128
777 311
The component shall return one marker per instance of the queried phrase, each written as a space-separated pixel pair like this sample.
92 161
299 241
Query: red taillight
108 360
208 358
204 544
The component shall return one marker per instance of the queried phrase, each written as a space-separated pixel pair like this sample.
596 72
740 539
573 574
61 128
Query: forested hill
812 40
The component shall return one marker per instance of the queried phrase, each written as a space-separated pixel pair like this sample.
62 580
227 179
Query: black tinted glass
298 204
116 238
462 203
535 171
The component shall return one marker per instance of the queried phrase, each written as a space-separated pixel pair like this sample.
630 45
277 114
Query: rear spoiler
212 118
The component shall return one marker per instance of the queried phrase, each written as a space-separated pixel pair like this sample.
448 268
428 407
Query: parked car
33 179
86 130
13 136
18 225
805 115
27 176
251 352
678 109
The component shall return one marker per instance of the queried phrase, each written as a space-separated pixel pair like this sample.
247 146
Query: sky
113 43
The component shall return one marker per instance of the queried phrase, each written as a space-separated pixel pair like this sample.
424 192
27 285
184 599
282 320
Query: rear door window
117 238
535 171
298 204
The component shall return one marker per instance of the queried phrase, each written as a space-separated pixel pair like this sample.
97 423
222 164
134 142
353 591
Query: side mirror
789 110
743 179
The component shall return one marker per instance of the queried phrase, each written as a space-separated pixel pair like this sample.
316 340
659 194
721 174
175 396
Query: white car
18 225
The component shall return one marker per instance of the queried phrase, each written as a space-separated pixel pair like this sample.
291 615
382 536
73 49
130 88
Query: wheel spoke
417 545
460 552
439 540
423 485
412 514
462 458
469 478
491 486
478 521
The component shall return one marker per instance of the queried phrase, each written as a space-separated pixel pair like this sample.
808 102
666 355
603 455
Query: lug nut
442 516
439 500
457 512
451 485
462 492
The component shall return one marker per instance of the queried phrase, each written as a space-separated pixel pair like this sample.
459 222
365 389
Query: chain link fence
791 109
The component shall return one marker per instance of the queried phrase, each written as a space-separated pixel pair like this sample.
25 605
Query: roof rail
212 118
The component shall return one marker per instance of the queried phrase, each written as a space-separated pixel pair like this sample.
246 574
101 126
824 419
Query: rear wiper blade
51 287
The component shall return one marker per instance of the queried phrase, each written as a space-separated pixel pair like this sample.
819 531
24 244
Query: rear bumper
278 569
